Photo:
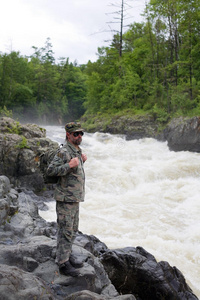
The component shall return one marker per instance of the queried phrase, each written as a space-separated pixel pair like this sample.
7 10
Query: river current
139 193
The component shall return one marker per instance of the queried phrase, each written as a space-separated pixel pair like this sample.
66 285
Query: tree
45 84
14 88
72 84
120 16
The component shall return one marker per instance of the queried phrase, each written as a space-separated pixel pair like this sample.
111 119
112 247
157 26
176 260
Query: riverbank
133 126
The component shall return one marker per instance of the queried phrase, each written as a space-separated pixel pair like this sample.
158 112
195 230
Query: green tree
73 87
45 84
15 92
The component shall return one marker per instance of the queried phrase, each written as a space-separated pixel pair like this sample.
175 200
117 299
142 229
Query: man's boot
75 262
68 270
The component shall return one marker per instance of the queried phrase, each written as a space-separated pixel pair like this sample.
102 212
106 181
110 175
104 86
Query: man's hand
84 157
74 162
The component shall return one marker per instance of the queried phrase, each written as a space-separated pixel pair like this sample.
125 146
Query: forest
152 67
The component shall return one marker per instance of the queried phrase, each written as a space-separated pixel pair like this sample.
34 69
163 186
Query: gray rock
134 270
8 200
8 125
183 134
15 284
87 295
133 126
38 256
20 149
4 186
26 223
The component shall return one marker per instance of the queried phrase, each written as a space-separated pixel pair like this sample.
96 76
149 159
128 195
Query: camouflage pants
67 219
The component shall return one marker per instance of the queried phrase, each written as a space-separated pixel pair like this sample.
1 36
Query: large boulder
25 222
8 125
16 284
134 270
183 134
21 147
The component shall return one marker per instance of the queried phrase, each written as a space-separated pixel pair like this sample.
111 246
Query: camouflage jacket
71 183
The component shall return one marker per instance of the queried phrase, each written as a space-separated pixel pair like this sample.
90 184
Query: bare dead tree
120 15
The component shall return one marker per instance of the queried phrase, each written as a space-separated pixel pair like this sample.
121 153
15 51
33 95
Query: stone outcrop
134 127
183 134
20 149
136 271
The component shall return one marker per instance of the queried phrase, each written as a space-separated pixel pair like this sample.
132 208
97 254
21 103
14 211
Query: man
70 190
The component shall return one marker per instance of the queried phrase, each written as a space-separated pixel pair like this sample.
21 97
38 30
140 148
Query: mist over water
138 193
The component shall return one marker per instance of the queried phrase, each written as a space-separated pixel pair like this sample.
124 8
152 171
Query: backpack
45 160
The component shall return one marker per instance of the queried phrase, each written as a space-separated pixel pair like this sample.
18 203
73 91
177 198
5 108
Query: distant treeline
153 67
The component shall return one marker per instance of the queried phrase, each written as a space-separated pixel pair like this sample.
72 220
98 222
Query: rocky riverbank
28 243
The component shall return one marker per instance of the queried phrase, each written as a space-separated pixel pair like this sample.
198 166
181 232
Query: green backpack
45 160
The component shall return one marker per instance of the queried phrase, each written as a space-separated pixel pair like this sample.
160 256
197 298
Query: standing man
70 190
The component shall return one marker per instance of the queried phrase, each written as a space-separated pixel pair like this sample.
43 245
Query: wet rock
135 271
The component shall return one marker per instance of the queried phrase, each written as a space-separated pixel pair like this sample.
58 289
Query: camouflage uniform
67 219
70 190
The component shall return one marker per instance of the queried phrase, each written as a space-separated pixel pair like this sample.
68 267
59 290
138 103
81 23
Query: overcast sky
76 28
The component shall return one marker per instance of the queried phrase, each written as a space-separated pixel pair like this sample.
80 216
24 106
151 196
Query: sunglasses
75 134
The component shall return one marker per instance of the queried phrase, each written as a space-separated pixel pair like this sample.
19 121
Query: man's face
75 138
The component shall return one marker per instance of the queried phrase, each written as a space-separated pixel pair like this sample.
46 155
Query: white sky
76 28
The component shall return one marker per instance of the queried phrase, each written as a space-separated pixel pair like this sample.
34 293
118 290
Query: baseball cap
73 127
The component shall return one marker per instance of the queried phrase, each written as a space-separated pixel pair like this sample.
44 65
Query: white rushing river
138 193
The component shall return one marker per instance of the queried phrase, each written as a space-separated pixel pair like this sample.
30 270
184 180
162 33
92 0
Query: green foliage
91 121
160 114
15 129
23 144
4 112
